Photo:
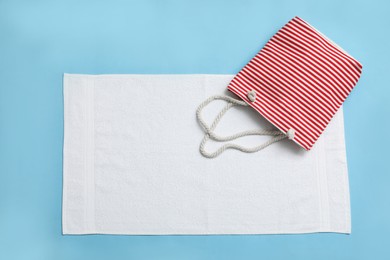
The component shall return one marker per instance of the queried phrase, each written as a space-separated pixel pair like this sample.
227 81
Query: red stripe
307 66
269 95
292 119
353 64
293 67
260 107
328 72
298 28
332 59
238 91
292 76
327 107
270 82
297 106
277 116
329 43
310 78
284 94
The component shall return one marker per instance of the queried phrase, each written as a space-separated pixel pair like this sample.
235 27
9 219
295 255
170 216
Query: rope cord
209 130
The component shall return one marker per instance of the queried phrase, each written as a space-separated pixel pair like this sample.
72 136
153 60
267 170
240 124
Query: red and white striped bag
297 81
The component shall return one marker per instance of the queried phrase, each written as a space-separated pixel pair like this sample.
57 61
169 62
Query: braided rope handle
209 130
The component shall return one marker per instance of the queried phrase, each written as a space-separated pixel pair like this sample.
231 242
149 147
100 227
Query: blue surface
40 40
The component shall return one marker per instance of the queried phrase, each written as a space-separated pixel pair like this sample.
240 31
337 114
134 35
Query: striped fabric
301 79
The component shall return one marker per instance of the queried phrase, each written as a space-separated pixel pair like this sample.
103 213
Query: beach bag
297 81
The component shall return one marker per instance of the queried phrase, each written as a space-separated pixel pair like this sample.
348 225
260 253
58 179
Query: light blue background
40 40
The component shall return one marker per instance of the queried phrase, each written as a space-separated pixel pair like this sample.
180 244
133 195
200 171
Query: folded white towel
132 164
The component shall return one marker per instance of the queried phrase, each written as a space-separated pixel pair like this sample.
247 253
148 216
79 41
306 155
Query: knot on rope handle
252 95
290 134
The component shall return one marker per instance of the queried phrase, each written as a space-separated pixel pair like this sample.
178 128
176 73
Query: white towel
132 164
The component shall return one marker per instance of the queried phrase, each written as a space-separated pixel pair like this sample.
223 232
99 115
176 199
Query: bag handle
209 130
